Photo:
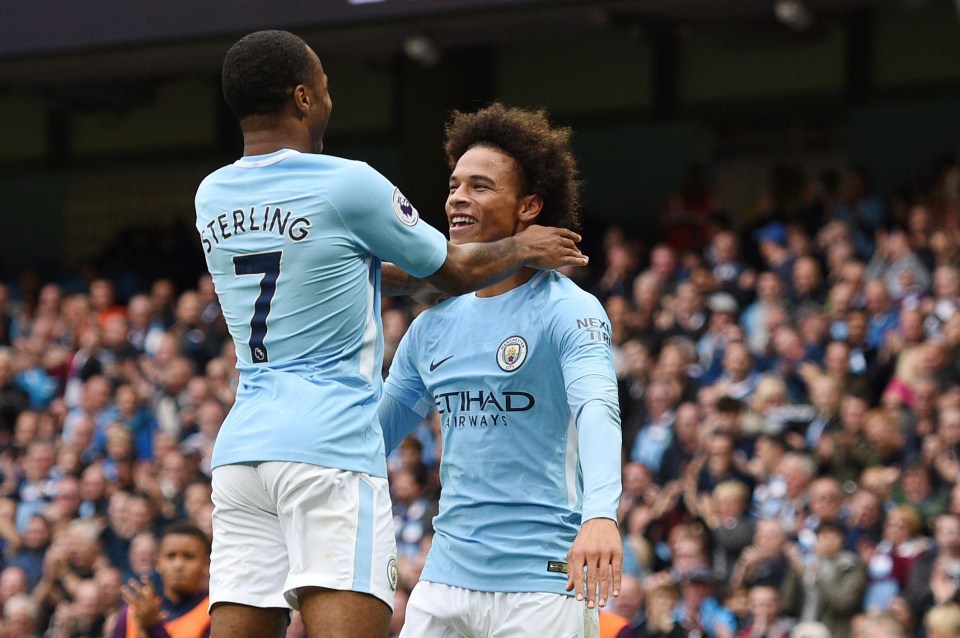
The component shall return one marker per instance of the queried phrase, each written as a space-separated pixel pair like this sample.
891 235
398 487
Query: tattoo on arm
474 266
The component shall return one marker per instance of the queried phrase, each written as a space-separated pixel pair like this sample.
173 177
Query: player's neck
513 281
263 134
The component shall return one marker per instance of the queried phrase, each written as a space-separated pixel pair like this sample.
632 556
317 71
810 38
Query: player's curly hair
261 70
542 152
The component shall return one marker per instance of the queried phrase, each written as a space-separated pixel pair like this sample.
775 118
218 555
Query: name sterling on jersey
467 401
240 221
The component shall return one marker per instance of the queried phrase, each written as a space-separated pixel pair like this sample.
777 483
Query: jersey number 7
268 265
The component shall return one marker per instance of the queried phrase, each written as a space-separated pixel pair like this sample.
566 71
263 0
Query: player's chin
463 234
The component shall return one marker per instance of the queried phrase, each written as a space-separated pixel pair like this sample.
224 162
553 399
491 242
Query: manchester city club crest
403 209
392 572
512 353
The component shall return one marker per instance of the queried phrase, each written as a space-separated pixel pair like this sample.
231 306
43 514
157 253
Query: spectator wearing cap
772 242
828 587
699 612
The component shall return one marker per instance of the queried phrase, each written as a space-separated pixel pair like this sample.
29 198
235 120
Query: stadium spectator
698 611
13 398
890 562
177 608
764 561
624 609
943 621
829 587
766 618
660 598
21 617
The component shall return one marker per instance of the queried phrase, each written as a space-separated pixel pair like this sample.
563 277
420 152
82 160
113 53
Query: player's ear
302 99
531 205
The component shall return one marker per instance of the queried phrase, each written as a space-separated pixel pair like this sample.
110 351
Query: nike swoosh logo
436 364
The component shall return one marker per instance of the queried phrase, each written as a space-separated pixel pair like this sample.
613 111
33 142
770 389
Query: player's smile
459 220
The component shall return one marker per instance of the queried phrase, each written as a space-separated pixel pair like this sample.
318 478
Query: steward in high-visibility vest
183 564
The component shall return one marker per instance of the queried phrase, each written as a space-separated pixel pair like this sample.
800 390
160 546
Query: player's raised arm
476 265
473 266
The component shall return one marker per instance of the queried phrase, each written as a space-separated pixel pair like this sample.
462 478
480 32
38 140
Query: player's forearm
470 267
395 282
396 421
600 461
598 422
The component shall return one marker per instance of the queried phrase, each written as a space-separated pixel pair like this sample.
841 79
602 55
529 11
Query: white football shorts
279 526
444 611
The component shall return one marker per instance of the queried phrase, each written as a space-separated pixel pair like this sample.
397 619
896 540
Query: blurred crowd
790 401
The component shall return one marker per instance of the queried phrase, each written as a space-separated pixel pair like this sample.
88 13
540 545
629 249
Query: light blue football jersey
294 243
497 369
